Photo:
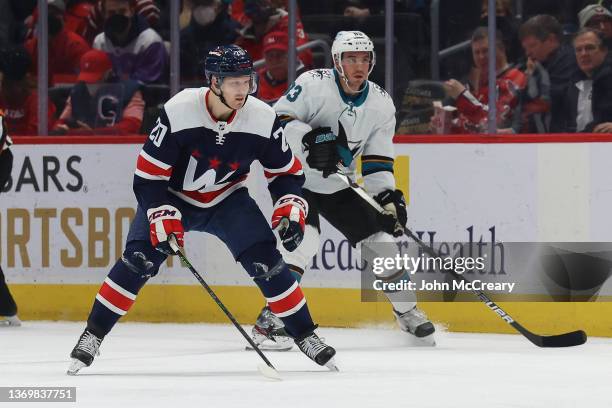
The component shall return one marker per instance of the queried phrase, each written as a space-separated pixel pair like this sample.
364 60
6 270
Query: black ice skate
416 323
84 352
269 332
317 351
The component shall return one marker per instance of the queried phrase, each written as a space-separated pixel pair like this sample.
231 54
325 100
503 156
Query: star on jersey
214 163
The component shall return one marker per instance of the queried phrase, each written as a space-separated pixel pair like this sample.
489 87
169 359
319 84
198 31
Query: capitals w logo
206 182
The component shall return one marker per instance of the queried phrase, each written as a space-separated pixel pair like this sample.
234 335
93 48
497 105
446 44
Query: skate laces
89 343
311 345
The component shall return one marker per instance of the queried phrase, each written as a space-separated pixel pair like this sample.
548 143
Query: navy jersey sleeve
155 164
282 169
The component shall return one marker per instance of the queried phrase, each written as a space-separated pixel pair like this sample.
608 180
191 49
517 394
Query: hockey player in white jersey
332 116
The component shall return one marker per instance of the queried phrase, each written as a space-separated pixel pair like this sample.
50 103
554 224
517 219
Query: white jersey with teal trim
316 99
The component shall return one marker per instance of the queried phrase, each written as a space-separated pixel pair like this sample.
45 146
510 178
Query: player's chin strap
222 98
569 339
345 79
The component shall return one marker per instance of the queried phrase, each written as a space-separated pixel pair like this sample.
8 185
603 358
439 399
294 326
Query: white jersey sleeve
378 156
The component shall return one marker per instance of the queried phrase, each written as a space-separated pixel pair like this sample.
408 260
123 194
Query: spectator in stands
263 16
18 96
589 97
136 50
65 47
210 27
98 106
366 8
273 76
472 99
12 14
541 38
145 8
507 24
76 16
599 17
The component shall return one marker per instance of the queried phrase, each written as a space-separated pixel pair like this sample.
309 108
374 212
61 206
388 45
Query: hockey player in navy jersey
333 116
190 175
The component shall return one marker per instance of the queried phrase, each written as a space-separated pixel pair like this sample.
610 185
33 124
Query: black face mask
116 26
55 25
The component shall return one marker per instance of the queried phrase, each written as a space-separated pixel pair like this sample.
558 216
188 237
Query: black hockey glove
322 151
394 218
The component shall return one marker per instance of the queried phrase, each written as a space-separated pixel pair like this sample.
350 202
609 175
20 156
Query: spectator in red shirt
145 8
273 76
76 16
264 16
18 96
472 99
99 106
65 47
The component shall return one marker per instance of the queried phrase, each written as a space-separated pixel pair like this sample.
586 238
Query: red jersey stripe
115 298
288 302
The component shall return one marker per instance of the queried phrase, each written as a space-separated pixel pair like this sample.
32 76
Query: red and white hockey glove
289 217
164 221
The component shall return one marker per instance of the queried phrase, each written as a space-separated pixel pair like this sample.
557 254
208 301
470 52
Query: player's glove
165 221
394 217
289 217
322 150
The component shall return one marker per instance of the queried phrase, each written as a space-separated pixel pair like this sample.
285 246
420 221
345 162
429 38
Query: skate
269 333
84 352
317 351
10 321
416 323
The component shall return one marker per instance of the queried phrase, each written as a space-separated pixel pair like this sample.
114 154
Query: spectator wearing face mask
136 50
147 9
260 17
18 96
209 27
65 47
100 105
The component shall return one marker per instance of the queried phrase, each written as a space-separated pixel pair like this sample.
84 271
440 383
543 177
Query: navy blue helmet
227 61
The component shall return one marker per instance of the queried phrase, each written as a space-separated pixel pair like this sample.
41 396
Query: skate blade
269 372
10 321
270 347
331 365
427 341
75 367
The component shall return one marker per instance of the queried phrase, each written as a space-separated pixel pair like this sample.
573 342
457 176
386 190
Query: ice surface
197 365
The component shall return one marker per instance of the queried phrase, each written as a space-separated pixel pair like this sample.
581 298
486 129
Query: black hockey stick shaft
574 338
213 295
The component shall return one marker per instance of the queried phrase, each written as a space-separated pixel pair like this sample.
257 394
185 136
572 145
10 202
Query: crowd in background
109 60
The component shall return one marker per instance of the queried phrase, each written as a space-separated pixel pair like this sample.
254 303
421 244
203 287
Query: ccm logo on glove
165 221
289 217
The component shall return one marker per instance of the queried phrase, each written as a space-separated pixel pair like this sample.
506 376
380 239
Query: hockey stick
267 370
574 338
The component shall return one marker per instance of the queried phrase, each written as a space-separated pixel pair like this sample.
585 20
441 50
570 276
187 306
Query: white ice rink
172 366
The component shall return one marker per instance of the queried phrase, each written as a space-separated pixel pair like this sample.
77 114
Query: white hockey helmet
346 41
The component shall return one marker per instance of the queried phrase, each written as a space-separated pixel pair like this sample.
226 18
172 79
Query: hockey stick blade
270 371
575 338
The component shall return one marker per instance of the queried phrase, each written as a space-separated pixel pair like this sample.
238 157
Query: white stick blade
269 372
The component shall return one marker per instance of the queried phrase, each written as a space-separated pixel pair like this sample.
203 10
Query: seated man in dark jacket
541 38
589 96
